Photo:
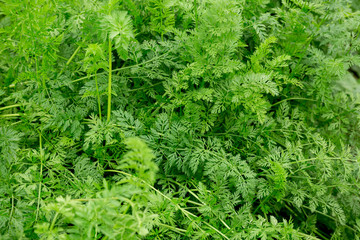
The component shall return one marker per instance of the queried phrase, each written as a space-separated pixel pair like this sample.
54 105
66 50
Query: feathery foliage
179 119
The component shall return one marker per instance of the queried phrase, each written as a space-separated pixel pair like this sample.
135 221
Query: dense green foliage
179 119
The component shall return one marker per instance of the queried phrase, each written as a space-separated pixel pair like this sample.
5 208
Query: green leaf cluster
179 119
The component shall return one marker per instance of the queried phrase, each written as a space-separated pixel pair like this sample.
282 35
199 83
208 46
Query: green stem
195 196
262 203
41 170
73 55
53 221
175 229
308 41
328 158
109 84
11 106
295 98
321 235
43 80
357 35
10 115
307 236
98 96
323 214
37 74
12 208
71 58
188 214
196 14
123 68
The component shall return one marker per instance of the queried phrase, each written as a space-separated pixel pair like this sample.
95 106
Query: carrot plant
179 119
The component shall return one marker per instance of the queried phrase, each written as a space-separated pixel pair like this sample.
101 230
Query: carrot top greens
179 119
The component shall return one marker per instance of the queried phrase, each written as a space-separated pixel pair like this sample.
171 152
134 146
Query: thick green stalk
109 85
10 115
10 106
98 95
